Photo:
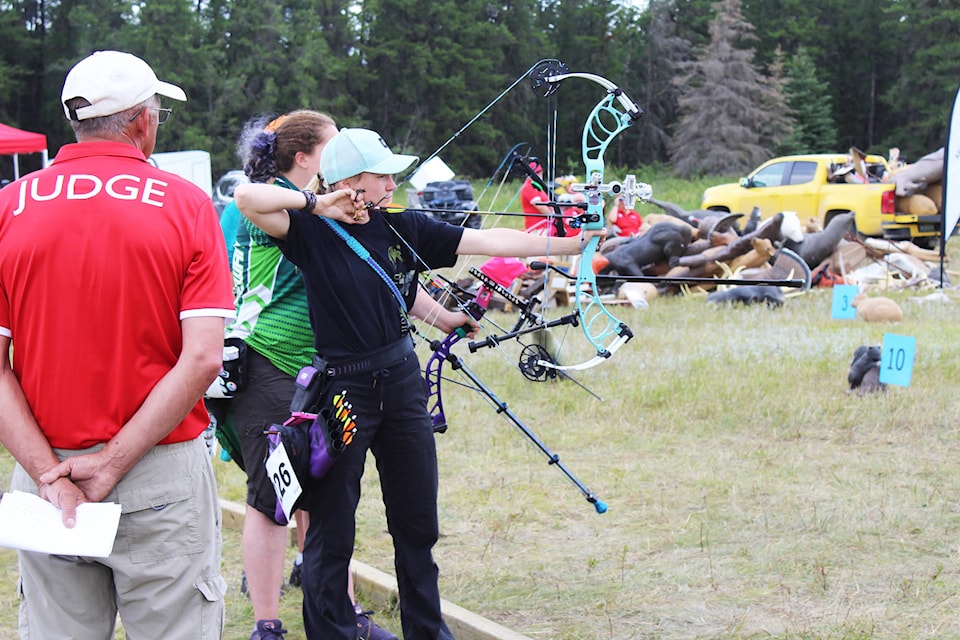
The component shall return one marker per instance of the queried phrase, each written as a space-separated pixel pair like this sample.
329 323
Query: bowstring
487 221
446 293
550 179
550 175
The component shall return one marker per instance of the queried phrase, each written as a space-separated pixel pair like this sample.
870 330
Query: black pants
392 421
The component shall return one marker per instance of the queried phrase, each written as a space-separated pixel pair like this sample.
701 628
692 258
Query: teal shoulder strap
361 252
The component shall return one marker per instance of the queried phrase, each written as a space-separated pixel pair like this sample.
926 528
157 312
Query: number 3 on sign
896 362
285 481
843 295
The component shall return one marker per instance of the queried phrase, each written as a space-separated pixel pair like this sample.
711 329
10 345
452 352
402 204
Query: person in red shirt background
626 222
540 217
531 199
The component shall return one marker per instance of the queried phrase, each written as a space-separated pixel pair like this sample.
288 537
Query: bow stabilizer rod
456 363
792 283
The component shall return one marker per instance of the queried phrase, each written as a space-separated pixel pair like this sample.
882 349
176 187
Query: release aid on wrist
311 202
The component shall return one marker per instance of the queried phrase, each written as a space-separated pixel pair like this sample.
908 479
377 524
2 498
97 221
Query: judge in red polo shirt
114 287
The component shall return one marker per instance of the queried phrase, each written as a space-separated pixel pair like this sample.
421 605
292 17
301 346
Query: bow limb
442 353
598 324
432 374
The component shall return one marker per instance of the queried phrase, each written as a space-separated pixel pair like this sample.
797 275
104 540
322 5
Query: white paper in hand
31 523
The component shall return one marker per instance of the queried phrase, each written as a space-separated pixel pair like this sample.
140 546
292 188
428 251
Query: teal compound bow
612 115
545 73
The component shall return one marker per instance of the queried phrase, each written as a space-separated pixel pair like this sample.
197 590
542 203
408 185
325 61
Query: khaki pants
163 575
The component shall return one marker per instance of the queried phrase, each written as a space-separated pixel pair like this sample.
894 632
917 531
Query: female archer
360 266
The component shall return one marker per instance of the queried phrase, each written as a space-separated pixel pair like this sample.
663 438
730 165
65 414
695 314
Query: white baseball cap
355 151
112 81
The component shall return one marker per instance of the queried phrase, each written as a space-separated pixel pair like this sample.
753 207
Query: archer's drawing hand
343 205
453 320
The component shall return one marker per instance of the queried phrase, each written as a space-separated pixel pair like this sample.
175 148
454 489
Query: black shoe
268 630
367 629
296 574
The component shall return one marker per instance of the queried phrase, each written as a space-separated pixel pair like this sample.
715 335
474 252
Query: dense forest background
724 85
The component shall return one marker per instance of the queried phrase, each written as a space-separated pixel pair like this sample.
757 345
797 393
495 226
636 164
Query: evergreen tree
659 51
780 126
519 115
810 105
221 99
729 116
693 19
858 63
330 37
583 35
924 91
788 24
430 68
21 54
22 36
255 39
853 47
262 58
74 30
165 27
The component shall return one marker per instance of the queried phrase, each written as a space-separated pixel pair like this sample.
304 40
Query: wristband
311 201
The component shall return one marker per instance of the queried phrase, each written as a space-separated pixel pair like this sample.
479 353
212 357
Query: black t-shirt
352 310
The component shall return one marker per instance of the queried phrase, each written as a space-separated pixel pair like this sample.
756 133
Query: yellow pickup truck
821 186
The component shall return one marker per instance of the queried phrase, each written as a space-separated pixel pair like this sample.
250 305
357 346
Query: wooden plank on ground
234 512
381 588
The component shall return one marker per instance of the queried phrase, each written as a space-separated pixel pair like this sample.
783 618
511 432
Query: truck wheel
853 225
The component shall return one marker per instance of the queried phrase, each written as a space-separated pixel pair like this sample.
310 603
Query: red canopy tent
15 141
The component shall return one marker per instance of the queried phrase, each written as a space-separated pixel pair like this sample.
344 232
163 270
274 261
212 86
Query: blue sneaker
268 630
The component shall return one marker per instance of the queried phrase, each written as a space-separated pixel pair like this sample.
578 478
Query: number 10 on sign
896 362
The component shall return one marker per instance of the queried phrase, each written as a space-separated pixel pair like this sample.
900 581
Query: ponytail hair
268 148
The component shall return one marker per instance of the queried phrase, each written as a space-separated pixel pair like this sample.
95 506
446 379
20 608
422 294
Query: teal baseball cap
355 151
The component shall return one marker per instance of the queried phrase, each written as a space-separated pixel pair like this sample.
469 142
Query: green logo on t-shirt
395 255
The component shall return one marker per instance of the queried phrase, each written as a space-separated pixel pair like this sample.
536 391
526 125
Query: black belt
384 358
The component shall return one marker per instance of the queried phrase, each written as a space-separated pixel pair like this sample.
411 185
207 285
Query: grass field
749 495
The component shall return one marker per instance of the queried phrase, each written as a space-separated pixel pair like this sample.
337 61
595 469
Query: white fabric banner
951 176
